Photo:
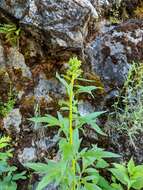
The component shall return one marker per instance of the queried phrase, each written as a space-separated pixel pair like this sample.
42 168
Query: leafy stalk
71 111
71 126
73 72
77 169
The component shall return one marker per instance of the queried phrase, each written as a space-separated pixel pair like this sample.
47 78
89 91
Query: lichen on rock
111 54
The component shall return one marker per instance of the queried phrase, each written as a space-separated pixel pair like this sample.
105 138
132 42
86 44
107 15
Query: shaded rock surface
27 155
125 148
111 54
16 62
46 143
85 107
13 120
48 87
2 57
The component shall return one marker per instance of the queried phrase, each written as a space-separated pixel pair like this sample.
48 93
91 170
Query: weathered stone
60 25
84 108
46 143
51 187
4 77
102 6
47 87
2 57
27 155
16 61
110 55
13 121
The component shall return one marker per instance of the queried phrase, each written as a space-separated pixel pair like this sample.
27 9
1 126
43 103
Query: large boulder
111 54
58 25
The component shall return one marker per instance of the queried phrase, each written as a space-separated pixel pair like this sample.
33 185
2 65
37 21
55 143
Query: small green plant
128 109
118 12
11 32
6 108
8 173
139 11
130 176
114 19
77 168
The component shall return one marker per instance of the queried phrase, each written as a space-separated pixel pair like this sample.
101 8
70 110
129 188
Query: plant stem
71 127
71 111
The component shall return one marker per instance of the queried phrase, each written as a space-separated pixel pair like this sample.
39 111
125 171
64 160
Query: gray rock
61 24
27 155
16 61
51 187
47 87
3 71
2 57
13 120
84 108
110 55
4 76
46 143
102 6
103 2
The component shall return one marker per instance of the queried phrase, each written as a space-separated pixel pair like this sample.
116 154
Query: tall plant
77 169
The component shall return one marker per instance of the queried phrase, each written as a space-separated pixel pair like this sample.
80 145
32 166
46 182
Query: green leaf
96 128
50 120
17 32
93 175
121 175
138 183
91 116
138 171
85 89
12 168
117 186
99 153
38 167
8 186
131 166
67 149
63 81
85 80
19 176
46 180
87 161
4 141
90 186
64 124
76 140
104 184
90 119
101 164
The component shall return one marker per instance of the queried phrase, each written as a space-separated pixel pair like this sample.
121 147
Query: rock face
16 62
111 54
2 58
46 87
54 30
60 25
13 120
28 155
